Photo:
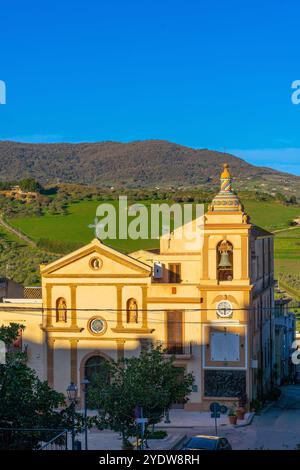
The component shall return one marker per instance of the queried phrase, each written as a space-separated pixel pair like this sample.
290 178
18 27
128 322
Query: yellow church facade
211 307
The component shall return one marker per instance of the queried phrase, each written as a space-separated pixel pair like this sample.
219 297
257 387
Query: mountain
146 163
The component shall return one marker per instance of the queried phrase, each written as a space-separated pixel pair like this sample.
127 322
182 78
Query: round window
224 309
96 263
97 326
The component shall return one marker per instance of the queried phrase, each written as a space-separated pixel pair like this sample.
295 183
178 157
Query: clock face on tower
224 309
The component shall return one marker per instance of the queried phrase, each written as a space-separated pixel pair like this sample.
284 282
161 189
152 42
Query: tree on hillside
30 184
150 381
280 197
292 200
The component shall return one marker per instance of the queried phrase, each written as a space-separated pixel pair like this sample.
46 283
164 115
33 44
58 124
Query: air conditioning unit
157 270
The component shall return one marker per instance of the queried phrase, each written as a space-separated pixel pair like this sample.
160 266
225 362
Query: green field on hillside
74 227
287 251
19 261
271 215
9 237
287 244
287 261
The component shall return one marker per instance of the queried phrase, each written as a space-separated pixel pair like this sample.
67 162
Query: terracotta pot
240 412
232 419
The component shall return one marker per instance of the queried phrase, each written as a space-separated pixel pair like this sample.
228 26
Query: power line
26 310
45 309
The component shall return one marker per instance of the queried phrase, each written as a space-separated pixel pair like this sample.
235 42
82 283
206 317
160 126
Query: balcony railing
176 348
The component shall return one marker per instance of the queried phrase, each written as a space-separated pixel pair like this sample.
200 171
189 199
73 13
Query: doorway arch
91 364
94 366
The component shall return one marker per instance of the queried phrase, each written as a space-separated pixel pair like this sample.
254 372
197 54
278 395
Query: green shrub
58 246
157 435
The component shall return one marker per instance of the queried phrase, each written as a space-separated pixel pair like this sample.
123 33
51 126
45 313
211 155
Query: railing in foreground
59 442
33 439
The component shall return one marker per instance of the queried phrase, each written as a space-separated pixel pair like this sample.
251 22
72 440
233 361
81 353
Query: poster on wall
225 347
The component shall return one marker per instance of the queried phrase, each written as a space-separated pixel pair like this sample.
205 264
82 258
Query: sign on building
225 347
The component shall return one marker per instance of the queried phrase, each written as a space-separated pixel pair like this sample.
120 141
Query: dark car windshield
201 443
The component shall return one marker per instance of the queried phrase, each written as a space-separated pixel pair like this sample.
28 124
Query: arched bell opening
225 261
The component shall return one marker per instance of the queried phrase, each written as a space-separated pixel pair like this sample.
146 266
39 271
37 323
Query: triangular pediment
109 263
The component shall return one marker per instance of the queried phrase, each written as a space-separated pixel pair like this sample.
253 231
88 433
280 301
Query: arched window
132 311
61 310
96 366
225 261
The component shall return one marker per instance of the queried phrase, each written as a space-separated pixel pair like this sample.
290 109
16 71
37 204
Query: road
278 428
16 232
287 228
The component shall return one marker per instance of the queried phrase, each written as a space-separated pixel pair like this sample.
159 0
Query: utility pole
85 384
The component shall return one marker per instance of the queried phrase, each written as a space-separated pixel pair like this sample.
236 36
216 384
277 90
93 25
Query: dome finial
226 172
226 199
226 179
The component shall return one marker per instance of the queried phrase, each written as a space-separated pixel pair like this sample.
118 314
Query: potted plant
232 416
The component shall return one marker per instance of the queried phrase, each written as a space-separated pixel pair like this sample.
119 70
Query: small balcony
178 349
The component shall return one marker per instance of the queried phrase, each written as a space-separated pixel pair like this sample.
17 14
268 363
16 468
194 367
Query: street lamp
72 396
167 416
85 384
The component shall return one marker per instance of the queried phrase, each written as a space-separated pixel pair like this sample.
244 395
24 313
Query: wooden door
174 332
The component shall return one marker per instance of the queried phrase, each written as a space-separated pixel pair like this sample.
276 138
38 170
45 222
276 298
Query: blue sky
204 74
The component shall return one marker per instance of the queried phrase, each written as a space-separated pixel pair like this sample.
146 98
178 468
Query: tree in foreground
150 381
26 402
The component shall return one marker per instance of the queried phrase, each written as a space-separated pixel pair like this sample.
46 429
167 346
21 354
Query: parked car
207 443
297 377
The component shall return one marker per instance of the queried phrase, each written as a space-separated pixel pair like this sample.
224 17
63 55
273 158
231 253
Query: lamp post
167 416
85 384
72 396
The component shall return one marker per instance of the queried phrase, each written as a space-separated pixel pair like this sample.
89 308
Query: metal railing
176 348
59 442
33 439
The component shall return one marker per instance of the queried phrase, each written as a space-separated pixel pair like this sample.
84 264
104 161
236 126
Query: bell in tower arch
225 252
224 260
